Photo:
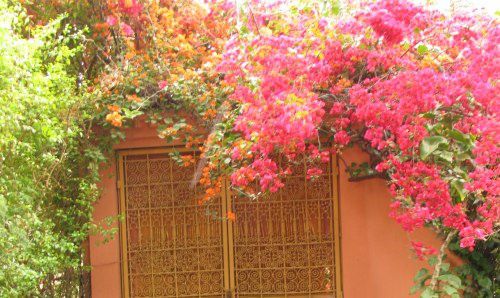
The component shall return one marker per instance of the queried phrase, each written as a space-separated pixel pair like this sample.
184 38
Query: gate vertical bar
230 238
225 239
123 229
151 229
336 225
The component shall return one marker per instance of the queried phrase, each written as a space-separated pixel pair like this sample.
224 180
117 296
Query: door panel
170 247
283 245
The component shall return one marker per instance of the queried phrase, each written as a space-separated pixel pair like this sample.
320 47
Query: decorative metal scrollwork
174 249
283 244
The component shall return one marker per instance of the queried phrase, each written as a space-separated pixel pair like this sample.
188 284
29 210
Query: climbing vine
48 158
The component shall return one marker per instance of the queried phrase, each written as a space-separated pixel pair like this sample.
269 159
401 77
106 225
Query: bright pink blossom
398 72
111 20
162 84
130 7
126 29
421 251
342 138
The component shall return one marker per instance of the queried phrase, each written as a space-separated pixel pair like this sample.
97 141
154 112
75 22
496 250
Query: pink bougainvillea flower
421 250
130 7
162 84
111 20
342 138
293 83
126 29
313 172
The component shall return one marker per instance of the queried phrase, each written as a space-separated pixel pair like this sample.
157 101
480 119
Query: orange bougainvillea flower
134 98
114 119
231 216
128 3
209 192
130 55
187 160
114 108
210 114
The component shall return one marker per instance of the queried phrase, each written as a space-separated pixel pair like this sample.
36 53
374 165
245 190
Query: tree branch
253 19
366 177
437 267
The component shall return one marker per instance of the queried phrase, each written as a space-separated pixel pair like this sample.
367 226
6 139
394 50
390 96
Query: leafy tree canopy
48 169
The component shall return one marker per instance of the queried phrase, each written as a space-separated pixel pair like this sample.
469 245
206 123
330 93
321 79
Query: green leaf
244 30
459 136
449 290
179 125
458 188
484 282
335 8
433 261
463 156
422 49
415 288
131 114
428 293
168 120
452 280
431 144
446 155
429 115
420 274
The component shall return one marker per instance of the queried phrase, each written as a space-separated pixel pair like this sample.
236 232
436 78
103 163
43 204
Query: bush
48 169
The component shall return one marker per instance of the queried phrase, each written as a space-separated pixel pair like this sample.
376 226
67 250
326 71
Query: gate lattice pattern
174 249
282 245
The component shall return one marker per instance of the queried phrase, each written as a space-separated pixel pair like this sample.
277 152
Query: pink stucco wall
376 257
376 260
105 257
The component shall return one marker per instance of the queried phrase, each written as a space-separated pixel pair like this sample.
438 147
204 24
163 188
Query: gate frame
227 227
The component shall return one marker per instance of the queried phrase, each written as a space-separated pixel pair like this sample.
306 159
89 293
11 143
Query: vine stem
437 267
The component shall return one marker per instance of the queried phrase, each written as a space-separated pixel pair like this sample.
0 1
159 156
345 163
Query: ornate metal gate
281 246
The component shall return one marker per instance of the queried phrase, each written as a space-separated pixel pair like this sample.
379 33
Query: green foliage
48 167
478 276
420 279
449 284
480 272
430 144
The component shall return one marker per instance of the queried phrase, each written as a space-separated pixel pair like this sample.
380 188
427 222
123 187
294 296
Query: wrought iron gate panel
282 245
170 246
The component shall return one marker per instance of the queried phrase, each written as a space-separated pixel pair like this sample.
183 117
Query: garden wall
376 259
